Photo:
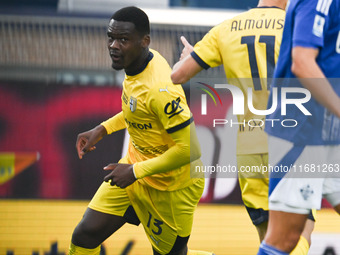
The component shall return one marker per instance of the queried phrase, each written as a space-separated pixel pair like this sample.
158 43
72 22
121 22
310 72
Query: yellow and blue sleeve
115 123
207 52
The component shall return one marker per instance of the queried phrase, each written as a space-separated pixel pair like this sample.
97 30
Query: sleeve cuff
180 126
134 173
199 60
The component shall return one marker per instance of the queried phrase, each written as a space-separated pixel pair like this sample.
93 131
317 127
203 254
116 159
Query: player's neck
140 63
273 3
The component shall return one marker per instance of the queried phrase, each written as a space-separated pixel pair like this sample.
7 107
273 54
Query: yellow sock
301 248
76 250
192 252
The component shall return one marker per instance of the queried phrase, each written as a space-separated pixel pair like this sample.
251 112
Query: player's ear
146 41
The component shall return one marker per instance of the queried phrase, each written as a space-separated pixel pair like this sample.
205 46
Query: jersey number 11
269 40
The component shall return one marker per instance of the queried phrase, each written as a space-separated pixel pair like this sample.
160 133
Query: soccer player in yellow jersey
152 184
248 47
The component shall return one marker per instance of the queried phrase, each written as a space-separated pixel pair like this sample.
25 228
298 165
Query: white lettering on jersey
337 46
323 6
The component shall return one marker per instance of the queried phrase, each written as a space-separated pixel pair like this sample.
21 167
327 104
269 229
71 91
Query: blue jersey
313 24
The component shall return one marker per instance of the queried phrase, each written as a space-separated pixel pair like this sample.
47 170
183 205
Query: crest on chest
133 104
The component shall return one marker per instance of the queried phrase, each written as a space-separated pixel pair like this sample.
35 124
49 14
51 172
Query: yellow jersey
153 108
248 47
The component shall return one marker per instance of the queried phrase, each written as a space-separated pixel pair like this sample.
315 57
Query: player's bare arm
186 67
86 140
304 66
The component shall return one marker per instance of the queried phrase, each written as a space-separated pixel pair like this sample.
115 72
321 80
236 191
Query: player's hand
121 175
86 141
188 48
83 144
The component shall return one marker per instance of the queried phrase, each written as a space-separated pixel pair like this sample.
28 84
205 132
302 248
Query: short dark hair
136 16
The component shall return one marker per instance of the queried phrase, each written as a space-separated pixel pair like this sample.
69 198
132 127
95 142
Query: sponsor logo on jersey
173 108
140 126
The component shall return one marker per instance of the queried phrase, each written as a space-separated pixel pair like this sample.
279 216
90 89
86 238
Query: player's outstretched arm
305 67
86 140
186 67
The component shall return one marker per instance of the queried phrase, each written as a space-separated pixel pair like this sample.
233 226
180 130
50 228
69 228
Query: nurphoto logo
289 96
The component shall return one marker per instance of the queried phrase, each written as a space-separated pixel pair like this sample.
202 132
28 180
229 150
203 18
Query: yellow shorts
165 215
253 184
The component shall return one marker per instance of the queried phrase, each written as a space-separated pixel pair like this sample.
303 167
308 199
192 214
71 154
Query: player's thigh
95 227
284 229
114 201
106 214
167 216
